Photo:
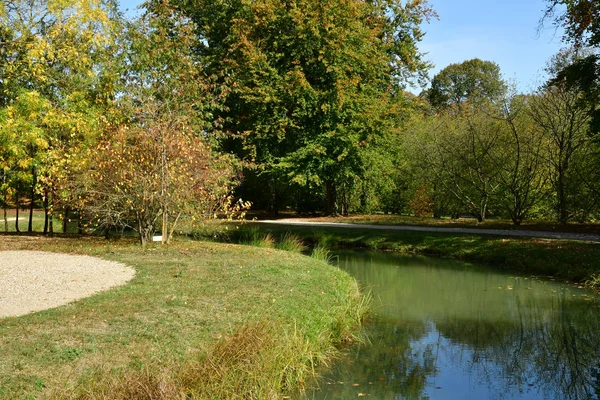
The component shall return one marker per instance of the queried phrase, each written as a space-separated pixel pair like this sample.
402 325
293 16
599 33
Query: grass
291 242
37 221
569 260
321 253
199 320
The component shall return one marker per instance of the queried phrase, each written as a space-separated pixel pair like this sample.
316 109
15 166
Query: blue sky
503 31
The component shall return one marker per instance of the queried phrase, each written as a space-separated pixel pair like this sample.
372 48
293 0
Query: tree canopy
312 82
473 80
581 20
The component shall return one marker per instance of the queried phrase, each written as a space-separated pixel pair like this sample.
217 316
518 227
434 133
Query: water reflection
445 330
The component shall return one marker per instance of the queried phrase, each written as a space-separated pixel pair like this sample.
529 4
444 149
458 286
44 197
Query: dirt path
586 237
36 280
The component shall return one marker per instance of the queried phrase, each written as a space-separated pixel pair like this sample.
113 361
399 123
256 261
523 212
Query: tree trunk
363 201
65 219
331 195
165 226
51 213
79 222
145 235
344 200
563 215
17 212
45 211
143 239
51 218
32 203
5 207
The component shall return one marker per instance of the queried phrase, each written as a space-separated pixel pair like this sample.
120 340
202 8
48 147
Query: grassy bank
199 320
464 222
570 260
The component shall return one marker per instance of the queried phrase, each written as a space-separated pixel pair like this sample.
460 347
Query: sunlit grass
291 242
572 260
174 329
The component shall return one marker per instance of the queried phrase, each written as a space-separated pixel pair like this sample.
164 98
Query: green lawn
37 221
570 260
204 320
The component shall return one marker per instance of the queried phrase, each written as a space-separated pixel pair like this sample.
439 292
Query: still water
448 330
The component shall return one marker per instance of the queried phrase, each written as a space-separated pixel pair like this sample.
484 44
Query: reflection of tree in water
551 347
383 368
498 335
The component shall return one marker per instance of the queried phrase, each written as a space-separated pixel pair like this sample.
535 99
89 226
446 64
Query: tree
312 82
51 62
148 178
565 126
581 20
461 140
520 157
473 80
157 166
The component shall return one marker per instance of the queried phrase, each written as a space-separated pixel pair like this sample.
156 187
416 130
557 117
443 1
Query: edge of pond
568 260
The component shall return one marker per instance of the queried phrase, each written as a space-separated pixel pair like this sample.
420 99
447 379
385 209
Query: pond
448 330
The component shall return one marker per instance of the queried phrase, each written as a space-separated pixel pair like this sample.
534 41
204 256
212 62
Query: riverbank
565 259
205 320
463 222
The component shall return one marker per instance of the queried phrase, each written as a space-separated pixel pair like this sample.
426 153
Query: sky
505 32
502 31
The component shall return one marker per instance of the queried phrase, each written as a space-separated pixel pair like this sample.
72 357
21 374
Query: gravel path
36 280
586 237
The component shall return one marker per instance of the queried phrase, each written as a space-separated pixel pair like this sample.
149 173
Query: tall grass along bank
566 259
199 320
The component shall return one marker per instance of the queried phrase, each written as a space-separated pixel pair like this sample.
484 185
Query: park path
37 280
586 237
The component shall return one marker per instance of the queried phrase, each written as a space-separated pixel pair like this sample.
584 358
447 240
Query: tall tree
581 20
520 159
53 60
312 82
474 80
564 124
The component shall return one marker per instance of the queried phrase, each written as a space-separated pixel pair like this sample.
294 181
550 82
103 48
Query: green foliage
572 172
312 83
581 20
159 166
593 282
473 80
51 63
504 154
